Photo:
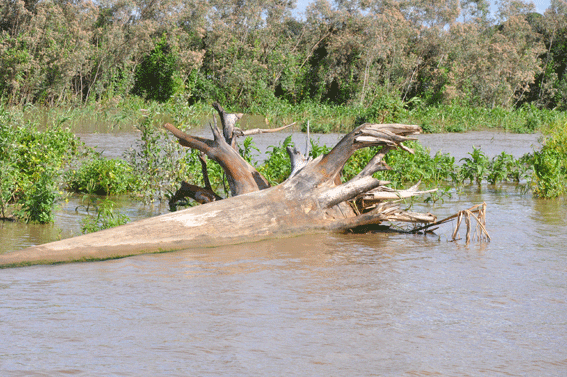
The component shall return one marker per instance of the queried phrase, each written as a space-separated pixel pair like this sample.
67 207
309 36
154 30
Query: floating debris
480 232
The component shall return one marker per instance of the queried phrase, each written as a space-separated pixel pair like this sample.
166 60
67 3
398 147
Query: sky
541 5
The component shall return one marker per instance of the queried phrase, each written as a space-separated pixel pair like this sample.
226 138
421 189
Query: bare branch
228 122
199 194
391 135
376 163
348 191
238 132
242 177
298 160
387 193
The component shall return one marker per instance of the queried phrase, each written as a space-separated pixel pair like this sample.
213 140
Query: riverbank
126 114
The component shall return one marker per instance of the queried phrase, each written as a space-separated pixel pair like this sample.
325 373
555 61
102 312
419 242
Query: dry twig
480 233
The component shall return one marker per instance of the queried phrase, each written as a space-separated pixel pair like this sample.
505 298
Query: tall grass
126 113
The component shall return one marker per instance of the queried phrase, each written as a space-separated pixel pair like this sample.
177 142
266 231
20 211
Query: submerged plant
7 186
105 218
550 164
503 168
276 167
38 200
475 167
101 176
157 163
31 164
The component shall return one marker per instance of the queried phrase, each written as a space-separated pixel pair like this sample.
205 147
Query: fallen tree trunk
312 200
264 214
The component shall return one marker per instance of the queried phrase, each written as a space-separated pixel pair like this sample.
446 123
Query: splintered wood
480 232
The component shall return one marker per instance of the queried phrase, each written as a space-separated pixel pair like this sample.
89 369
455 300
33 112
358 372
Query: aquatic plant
102 176
32 162
550 163
276 167
105 217
475 167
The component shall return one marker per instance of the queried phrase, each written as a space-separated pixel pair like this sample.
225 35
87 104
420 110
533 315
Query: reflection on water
376 304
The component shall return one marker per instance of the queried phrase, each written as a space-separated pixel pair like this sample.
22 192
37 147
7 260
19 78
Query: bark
312 199
242 177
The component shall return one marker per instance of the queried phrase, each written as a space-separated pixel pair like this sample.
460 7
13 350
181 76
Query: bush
31 162
550 164
277 167
38 200
157 77
101 176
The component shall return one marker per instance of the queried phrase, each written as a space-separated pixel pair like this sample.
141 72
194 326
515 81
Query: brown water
377 304
317 305
457 144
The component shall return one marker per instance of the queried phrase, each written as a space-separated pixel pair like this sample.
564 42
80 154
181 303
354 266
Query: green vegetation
449 68
247 54
276 168
37 161
550 164
31 162
156 76
105 217
101 176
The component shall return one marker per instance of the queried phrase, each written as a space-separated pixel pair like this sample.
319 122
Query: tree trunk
312 200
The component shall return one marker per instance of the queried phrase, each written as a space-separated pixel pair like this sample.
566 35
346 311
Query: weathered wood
257 131
201 195
242 177
228 122
297 159
261 215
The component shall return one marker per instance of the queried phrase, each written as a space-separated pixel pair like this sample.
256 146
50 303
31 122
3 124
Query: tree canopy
243 52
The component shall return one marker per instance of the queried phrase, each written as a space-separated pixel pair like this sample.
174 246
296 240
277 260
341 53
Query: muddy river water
382 304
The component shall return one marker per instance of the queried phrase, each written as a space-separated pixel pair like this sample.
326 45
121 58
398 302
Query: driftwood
480 233
312 199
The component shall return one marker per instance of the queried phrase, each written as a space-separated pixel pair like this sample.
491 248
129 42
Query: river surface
113 145
384 304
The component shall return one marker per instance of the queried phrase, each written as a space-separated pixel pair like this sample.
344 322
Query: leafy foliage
277 167
156 78
550 164
31 163
101 176
377 56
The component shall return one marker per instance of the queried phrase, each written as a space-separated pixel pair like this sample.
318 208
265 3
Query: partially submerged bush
31 162
105 218
550 164
101 176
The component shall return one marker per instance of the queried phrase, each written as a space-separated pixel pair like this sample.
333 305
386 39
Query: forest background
255 53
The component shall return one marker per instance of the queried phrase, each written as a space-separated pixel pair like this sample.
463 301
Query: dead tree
242 177
312 199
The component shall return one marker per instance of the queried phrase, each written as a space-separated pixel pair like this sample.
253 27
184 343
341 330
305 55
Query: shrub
550 164
101 176
157 77
31 162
